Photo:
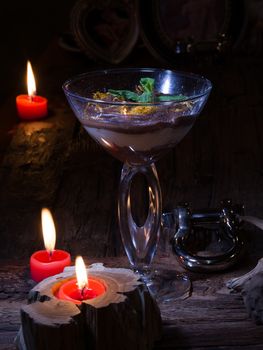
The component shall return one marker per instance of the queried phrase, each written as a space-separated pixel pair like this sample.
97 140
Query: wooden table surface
54 163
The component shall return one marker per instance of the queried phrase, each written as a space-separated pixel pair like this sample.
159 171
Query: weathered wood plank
209 337
212 318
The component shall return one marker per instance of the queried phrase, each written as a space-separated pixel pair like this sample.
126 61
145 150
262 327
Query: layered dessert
138 132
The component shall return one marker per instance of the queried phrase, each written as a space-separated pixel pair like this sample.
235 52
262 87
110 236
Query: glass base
167 285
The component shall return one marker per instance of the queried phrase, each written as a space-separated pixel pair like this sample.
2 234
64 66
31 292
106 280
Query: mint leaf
132 96
168 98
147 84
126 94
147 95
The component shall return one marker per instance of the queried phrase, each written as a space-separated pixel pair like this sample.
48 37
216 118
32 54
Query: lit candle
31 106
81 288
49 262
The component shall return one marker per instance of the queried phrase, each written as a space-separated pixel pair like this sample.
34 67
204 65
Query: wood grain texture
211 318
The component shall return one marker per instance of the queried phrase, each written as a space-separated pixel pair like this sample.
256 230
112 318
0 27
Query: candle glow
81 273
31 83
48 230
31 106
49 262
81 287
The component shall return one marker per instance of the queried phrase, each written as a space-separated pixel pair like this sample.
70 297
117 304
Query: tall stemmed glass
138 134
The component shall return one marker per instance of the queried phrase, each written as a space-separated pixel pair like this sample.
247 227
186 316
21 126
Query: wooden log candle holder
125 317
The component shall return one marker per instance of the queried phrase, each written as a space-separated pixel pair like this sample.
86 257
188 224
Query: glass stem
140 242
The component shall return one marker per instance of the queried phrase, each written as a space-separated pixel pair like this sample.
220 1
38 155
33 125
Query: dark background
27 27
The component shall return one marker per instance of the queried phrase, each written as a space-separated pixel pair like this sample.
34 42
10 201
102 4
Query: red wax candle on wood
49 262
71 292
43 265
31 106
81 288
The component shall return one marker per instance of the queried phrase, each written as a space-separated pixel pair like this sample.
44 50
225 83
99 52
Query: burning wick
82 292
31 106
80 288
51 261
31 83
82 276
48 230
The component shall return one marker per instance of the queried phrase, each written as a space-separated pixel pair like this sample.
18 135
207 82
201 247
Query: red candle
43 265
81 288
49 262
31 106
71 292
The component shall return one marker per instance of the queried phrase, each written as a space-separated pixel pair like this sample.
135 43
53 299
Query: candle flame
31 83
48 229
81 273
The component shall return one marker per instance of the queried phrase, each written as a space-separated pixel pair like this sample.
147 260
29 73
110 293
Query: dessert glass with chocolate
137 115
